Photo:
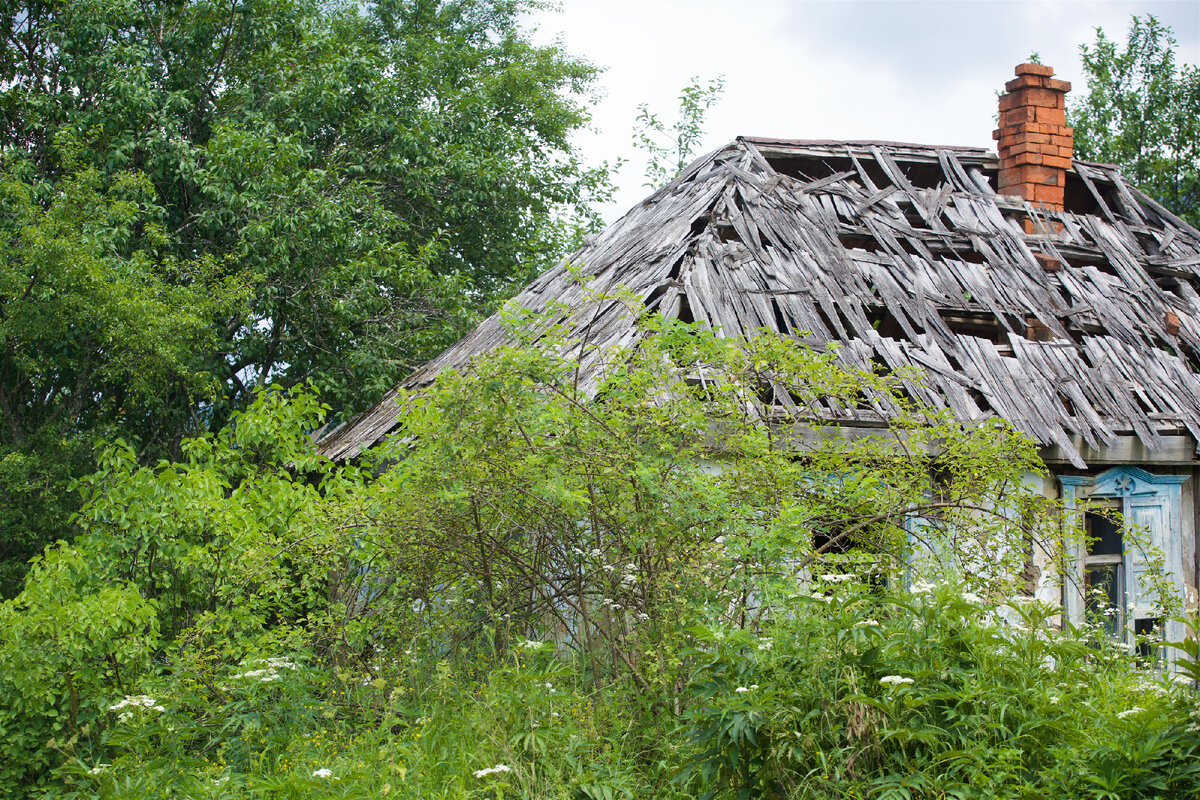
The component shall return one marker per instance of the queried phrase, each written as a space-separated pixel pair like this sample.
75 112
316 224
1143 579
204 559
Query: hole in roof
911 215
923 175
884 322
698 225
655 297
684 314
676 268
1149 243
726 232
781 324
979 324
859 241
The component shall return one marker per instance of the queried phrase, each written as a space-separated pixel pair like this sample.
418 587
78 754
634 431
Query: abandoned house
1025 285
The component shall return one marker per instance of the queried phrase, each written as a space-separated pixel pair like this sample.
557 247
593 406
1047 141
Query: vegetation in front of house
658 592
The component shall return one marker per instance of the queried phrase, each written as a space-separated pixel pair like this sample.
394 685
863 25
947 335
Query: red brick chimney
1035 144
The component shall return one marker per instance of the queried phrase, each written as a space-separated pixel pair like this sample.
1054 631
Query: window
1104 569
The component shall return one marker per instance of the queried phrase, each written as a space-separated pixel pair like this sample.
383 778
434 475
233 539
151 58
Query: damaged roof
906 256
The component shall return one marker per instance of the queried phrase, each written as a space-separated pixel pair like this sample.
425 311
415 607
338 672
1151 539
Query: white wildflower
99 769
867 623
719 540
609 568
895 680
595 552
1130 712
741 690
642 615
837 578
483 773
125 716
765 644
970 597
530 644
754 687
823 597
322 773
133 701
922 587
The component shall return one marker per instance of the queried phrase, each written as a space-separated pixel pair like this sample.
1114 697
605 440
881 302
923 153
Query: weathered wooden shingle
906 256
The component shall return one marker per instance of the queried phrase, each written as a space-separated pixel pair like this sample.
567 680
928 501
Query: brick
1029 137
1171 322
1047 261
1057 85
1041 227
1050 116
1016 115
1050 196
1033 69
1026 81
1049 128
1036 331
1056 161
1021 190
1041 98
1023 148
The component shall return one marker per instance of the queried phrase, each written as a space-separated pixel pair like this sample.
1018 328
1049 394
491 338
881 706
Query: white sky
830 69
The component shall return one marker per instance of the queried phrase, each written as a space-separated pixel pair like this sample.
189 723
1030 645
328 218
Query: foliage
670 148
539 591
100 338
237 193
1142 112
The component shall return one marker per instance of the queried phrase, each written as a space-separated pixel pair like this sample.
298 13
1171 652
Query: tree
372 177
379 173
97 339
670 148
1142 112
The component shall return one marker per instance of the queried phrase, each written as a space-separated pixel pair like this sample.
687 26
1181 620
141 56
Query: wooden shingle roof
1084 329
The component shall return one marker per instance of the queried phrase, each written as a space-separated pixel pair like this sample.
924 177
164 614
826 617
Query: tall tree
1142 112
373 177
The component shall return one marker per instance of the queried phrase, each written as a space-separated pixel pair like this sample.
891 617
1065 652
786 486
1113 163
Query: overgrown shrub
660 587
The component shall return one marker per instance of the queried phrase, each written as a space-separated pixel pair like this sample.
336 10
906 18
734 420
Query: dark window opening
1104 595
830 541
1105 537
1148 635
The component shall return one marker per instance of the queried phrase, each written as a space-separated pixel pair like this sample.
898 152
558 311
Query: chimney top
1036 146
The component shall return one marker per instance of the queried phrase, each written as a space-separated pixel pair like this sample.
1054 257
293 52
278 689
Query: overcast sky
838 69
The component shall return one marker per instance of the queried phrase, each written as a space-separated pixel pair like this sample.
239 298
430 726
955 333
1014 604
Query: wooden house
1024 284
